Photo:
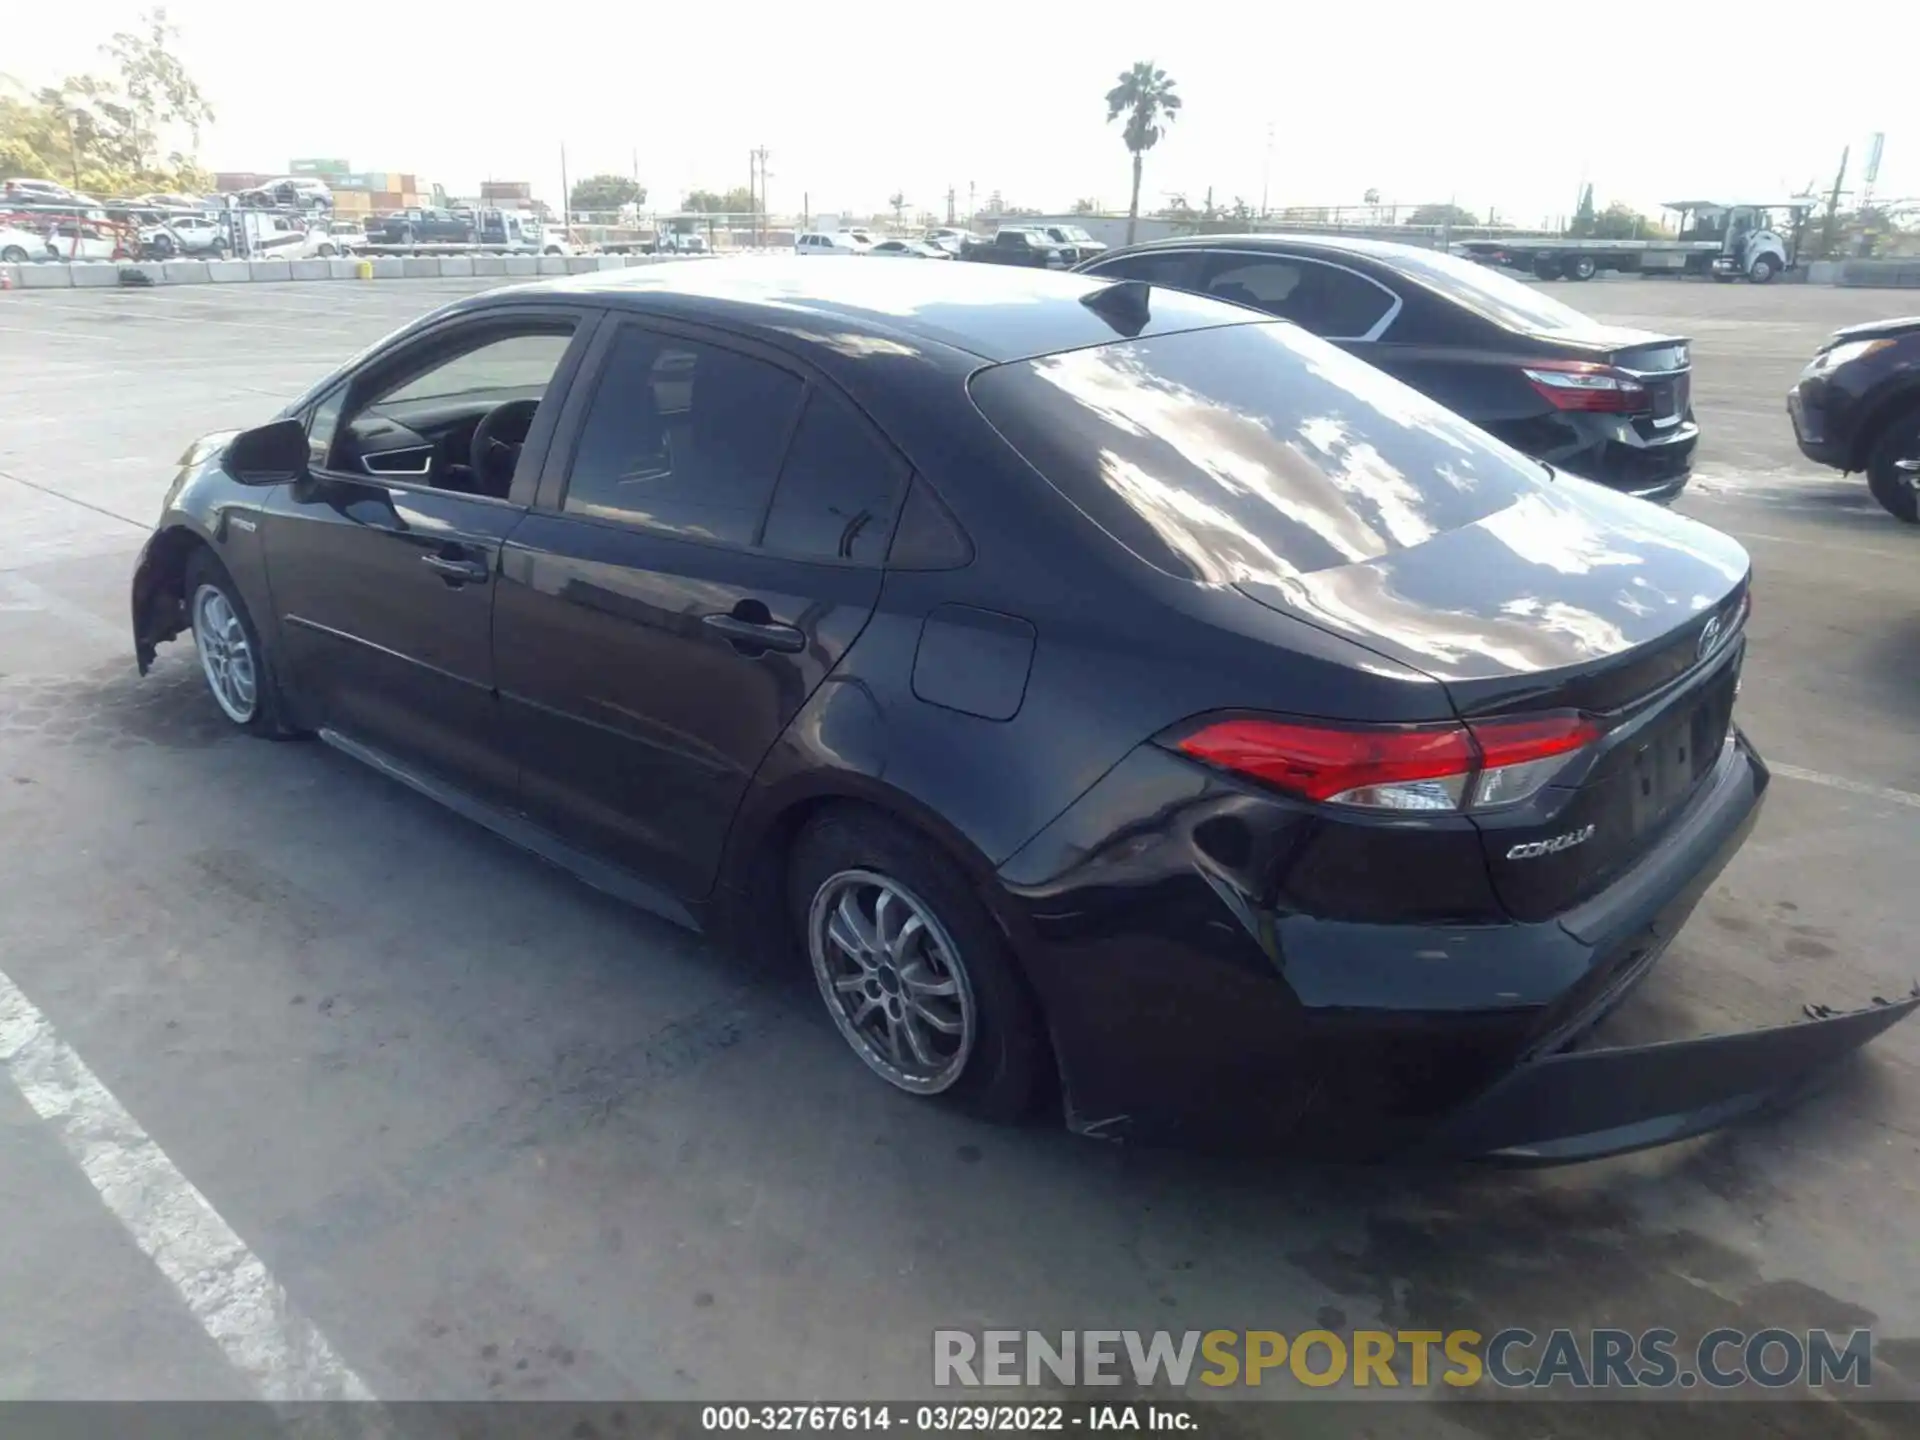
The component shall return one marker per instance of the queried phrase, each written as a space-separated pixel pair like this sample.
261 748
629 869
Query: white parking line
1851 787
223 1283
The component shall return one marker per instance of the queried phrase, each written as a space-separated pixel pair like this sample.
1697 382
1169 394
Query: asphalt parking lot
484 1133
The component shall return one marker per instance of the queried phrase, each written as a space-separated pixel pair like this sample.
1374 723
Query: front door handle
475 572
758 635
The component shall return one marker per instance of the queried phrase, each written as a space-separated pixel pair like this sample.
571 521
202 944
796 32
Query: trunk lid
1874 330
1571 598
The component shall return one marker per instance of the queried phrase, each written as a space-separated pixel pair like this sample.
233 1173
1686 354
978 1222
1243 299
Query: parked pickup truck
432 227
1011 245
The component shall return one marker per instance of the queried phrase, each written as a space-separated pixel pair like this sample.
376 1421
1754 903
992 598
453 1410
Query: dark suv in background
1609 404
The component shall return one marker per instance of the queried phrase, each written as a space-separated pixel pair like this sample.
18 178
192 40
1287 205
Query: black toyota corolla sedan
1121 701
1609 404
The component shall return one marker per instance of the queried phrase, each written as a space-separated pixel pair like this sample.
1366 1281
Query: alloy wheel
226 657
893 980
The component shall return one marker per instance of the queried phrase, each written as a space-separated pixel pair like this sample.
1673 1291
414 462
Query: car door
382 561
705 548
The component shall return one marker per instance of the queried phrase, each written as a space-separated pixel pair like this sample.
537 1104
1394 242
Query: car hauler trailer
1728 242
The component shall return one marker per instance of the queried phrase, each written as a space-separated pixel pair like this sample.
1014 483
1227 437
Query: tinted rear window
1501 298
1248 452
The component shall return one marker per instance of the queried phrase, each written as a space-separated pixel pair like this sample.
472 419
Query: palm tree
1145 96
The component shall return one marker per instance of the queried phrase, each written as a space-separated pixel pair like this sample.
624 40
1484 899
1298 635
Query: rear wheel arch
761 875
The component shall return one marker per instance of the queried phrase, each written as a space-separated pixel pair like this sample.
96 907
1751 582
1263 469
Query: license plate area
1666 766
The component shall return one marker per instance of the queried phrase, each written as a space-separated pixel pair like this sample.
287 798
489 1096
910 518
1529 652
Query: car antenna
1123 305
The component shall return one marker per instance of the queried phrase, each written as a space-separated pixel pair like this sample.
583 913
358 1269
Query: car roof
994 312
1385 251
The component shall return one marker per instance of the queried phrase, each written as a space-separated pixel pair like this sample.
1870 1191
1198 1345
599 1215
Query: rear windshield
1248 452
1500 298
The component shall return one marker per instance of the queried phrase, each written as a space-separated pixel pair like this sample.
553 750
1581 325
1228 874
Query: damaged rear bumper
1585 1104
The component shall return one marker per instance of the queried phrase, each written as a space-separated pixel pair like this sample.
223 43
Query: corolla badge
1534 849
1709 638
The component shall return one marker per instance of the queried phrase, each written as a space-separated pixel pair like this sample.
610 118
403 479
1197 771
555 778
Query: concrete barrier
96 274
45 277
1890 274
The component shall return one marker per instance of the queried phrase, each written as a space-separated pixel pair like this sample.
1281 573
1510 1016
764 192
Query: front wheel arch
160 597
1886 413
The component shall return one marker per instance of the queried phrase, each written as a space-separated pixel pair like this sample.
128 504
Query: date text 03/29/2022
944 1418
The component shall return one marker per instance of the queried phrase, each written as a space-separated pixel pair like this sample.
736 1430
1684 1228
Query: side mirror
268 454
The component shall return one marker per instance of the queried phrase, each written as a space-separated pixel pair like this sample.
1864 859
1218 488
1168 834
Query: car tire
13 255
327 252
233 661
967 1030
1897 490
1546 268
1761 271
1582 267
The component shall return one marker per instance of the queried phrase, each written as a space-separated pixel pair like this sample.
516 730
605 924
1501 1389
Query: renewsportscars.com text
1511 1358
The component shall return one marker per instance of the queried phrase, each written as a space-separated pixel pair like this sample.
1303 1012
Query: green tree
1086 206
1145 97
1583 215
898 200
1623 222
104 133
737 201
606 192
1442 215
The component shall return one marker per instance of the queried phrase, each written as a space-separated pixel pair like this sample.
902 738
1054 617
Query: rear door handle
750 635
453 568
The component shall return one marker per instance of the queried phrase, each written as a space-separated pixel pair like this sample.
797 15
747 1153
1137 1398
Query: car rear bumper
1188 1006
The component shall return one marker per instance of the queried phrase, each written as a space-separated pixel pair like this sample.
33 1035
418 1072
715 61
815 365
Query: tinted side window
838 487
1173 268
1324 299
682 436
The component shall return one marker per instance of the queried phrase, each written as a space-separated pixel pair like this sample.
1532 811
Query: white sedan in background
18 246
909 250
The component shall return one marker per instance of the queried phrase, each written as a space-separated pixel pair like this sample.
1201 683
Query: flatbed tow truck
1727 242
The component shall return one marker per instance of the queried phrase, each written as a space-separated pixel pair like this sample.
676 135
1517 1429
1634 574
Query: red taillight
1397 767
1586 386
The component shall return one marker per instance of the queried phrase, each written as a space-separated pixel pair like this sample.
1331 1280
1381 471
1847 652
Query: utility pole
949 204
973 210
1266 170
757 170
566 197
1833 206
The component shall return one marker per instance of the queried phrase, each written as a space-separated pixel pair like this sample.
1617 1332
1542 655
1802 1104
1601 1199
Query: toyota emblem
1709 638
